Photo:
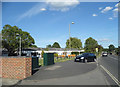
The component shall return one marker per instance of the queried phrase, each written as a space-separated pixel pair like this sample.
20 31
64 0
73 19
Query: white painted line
113 58
116 80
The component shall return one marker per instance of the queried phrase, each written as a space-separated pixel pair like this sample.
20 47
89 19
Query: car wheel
85 60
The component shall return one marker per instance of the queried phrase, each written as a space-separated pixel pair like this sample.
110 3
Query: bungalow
59 51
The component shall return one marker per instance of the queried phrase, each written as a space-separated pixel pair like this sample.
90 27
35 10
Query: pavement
62 70
67 73
94 77
8 82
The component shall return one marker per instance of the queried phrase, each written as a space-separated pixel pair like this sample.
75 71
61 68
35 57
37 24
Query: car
85 57
104 54
110 53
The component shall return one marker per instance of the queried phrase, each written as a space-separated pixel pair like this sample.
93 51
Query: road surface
67 73
109 65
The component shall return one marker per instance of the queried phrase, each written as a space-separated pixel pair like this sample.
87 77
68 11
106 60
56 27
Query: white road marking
116 80
113 58
53 68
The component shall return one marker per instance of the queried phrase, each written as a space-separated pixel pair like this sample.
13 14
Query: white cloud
104 40
106 9
116 9
100 8
115 12
43 9
62 5
33 11
116 5
55 5
94 15
110 18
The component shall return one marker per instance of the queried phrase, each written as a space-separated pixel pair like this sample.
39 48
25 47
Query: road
110 66
67 73
103 72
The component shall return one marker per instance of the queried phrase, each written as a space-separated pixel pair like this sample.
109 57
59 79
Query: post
69 38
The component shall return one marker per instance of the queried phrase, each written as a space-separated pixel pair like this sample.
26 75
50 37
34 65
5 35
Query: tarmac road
110 66
67 73
63 69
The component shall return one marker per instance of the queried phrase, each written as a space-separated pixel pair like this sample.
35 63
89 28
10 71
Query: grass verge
56 60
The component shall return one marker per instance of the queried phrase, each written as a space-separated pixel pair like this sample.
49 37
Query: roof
51 49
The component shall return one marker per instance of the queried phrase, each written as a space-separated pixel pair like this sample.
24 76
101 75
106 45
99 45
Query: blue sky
48 22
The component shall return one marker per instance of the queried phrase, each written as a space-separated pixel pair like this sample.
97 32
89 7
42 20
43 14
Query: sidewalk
94 77
8 82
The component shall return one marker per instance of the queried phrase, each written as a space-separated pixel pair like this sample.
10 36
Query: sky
48 22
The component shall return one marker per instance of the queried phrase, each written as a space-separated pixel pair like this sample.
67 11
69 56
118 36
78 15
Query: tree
33 46
90 45
111 48
10 40
74 43
105 49
116 51
42 53
56 45
49 46
100 48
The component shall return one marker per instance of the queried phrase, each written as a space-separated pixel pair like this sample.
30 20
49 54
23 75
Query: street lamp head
72 22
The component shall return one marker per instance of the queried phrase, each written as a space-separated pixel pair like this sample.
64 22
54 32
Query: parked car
104 54
85 57
110 53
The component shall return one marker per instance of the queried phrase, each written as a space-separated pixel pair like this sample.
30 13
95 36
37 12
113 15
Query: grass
56 60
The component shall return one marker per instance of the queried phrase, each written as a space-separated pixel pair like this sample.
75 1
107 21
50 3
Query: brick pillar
16 68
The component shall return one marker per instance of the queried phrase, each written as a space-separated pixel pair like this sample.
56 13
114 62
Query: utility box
48 59
35 62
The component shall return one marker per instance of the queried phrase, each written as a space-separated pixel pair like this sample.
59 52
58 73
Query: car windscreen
91 54
85 54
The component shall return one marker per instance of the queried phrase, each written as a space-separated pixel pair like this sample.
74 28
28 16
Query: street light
19 45
69 35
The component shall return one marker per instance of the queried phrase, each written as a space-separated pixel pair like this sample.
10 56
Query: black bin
35 62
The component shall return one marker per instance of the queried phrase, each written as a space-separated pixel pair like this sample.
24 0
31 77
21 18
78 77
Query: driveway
67 73
64 69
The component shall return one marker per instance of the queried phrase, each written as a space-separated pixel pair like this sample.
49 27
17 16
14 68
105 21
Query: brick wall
16 68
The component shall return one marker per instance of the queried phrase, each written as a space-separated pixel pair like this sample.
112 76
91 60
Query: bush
55 55
42 53
76 53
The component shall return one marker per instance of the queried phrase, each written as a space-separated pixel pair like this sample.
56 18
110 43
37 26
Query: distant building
59 51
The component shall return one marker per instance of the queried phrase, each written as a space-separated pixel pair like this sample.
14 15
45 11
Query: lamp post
69 36
20 44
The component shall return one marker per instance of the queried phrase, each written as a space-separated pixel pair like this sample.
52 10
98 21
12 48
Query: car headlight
82 57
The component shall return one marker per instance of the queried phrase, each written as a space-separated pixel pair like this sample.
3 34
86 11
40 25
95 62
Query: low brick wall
16 68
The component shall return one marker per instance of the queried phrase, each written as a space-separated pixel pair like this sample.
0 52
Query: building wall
16 68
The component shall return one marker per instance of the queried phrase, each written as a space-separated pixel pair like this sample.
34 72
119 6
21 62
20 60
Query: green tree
33 46
56 45
42 53
91 45
10 40
74 43
100 48
49 46
105 50
111 48
119 50
116 51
